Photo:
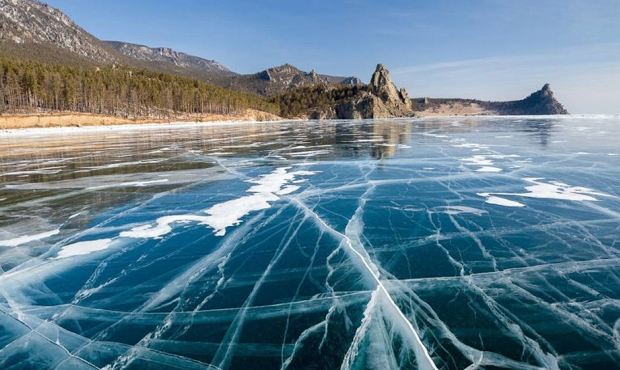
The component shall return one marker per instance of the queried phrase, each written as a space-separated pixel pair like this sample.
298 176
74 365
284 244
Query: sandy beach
79 120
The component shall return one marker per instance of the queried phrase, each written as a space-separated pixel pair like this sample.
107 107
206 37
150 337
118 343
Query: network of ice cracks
429 244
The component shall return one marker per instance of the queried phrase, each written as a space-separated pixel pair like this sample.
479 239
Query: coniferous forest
302 101
32 86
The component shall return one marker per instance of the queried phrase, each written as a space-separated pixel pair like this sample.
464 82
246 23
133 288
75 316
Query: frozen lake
450 243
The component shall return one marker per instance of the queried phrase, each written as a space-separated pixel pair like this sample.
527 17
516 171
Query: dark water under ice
479 243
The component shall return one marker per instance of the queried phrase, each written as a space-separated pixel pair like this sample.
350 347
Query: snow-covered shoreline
44 131
63 130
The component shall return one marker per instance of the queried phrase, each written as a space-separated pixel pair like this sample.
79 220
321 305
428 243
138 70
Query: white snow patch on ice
162 226
433 135
479 160
558 190
138 184
492 199
229 213
309 153
28 238
288 189
74 215
85 247
489 169
142 183
455 210
471 146
545 190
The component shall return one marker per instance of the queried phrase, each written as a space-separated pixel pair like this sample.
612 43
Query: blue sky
488 49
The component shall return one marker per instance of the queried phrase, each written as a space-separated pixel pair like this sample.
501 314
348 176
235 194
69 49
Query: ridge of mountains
24 23
33 30
168 56
27 22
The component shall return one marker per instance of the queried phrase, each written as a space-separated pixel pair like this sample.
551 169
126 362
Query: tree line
31 86
301 101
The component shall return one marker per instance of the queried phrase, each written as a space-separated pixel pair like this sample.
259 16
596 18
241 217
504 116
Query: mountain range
28 23
32 30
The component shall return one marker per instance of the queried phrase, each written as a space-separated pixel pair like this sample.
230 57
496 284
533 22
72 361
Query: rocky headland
541 102
378 99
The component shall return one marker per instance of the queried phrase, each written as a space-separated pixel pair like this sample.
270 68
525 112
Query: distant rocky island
541 102
49 65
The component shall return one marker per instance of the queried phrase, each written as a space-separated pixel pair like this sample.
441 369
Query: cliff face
379 99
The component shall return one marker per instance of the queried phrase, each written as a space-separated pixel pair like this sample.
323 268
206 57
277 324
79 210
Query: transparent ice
447 243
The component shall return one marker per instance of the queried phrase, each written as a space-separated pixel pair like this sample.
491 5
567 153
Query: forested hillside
304 101
31 86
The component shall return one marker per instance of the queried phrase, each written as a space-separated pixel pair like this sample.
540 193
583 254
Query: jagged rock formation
169 56
541 102
379 99
382 86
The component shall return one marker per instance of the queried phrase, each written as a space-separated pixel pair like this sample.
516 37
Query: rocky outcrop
541 102
381 84
380 99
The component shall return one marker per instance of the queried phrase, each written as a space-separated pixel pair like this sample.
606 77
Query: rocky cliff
379 99
541 102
